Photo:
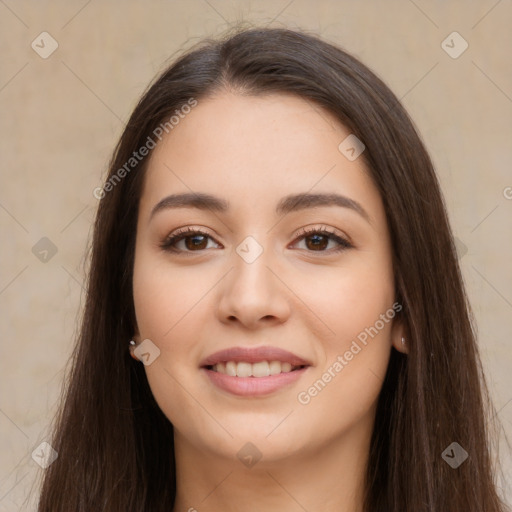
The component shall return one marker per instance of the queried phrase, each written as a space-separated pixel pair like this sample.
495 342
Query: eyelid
319 228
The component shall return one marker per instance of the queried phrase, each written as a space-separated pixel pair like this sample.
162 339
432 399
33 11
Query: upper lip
254 355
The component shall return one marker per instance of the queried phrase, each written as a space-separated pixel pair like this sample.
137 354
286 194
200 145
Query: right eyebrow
197 200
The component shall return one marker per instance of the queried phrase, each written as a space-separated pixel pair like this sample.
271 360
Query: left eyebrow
297 202
287 204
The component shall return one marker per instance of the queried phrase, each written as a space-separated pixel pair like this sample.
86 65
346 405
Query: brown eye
317 240
193 240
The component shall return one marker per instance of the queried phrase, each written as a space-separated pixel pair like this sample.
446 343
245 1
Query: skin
252 151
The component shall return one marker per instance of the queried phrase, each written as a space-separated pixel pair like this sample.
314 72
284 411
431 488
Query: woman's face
261 274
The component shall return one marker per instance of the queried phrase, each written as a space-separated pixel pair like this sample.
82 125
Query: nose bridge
252 291
251 260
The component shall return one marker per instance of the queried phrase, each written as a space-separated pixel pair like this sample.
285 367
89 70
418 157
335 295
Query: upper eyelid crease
287 204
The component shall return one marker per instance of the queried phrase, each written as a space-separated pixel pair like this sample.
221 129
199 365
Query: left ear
399 336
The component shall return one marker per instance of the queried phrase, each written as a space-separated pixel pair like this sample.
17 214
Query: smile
243 384
258 370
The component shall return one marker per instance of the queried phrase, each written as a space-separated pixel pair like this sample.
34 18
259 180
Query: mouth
255 370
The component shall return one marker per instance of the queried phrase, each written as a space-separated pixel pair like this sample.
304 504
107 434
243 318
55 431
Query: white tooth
286 367
275 367
231 368
244 369
260 369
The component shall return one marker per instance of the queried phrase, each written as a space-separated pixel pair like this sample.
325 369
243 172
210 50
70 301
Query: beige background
61 117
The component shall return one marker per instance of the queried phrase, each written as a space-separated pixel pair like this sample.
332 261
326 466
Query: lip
254 386
254 355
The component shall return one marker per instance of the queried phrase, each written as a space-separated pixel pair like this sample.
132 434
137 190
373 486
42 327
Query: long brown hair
115 446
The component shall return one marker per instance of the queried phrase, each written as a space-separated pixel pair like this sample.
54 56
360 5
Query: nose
253 294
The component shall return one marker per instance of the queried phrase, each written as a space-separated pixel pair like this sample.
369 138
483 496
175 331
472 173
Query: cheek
169 312
347 299
358 307
164 297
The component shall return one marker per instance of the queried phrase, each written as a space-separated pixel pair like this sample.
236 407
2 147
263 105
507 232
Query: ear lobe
399 337
131 348
400 344
134 342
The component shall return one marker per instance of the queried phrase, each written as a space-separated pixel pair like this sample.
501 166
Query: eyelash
171 240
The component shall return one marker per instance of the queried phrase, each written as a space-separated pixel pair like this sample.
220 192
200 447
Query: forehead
255 128
254 150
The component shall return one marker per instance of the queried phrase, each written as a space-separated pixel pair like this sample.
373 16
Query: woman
272 250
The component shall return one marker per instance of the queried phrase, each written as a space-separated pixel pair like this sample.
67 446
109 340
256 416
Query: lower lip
254 386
